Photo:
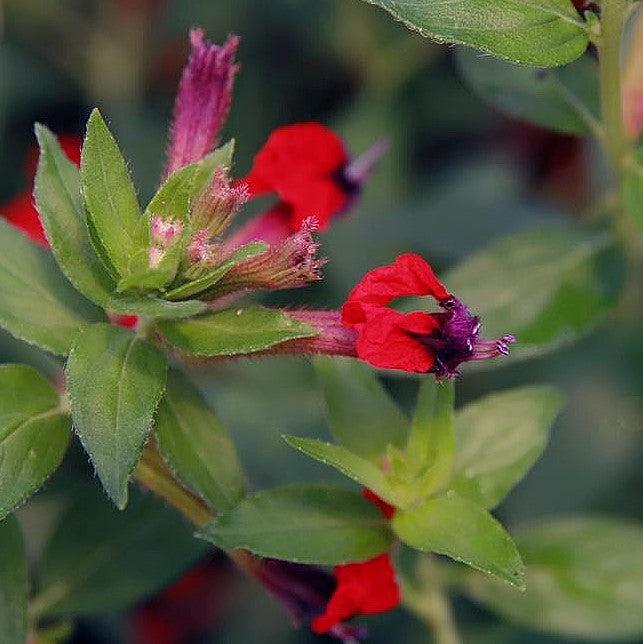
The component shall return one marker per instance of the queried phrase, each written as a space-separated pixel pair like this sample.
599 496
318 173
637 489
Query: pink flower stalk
203 100
633 84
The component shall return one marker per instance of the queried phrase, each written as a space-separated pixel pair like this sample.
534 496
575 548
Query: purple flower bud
203 100
165 231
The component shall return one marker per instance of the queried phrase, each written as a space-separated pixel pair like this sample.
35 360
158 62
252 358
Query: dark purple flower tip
203 100
459 341
358 170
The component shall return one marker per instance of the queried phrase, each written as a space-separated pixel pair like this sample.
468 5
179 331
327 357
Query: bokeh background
458 175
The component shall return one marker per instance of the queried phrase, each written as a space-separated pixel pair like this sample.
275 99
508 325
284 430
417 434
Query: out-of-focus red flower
364 588
419 342
21 210
186 608
310 170
385 508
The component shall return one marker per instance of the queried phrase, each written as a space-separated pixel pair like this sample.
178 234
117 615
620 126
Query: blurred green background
458 176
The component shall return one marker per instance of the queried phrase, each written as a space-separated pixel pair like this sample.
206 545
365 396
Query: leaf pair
449 472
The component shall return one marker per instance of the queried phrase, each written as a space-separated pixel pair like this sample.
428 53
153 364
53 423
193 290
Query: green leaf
431 444
499 438
548 287
100 560
544 33
59 200
564 99
583 579
37 303
454 526
111 198
633 189
355 467
196 445
115 382
207 281
304 523
34 434
234 331
174 198
361 415
57 191
13 583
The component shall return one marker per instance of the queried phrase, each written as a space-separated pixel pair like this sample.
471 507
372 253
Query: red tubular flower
21 210
365 588
203 100
417 342
308 167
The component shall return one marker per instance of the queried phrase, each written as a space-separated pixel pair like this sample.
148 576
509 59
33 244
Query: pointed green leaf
57 192
37 303
304 523
115 382
583 580
196 445
174 198
564 99
13 583
361 415
355 467
431 444
544 33
234 331
633 189
110 196
499 438
100 560
453 526
212 277
34 434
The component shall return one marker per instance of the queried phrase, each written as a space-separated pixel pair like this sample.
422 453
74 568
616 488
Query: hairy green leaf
304 523
564 99
196 445
111 198
102 560
499 438
355 467
115 382
211 278
34 434
361 415
13 583
454 526
583 579
234 331
37 303
544 33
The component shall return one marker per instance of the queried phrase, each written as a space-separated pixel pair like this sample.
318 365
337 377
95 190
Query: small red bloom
21 210
417 342
365 588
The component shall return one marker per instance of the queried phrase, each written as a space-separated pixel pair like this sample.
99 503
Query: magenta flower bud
203 100
218 203
289 264
164 232
155 256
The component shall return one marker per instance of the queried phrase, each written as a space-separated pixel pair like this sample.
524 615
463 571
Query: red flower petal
385 508
21 212
363 588
386 340
408 275
300 163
